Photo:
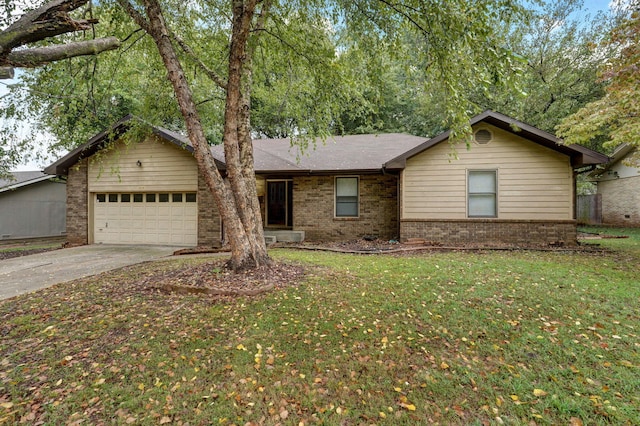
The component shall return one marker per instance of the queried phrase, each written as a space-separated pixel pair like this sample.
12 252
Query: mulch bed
214 279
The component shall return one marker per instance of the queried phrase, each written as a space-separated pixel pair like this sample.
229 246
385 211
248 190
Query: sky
591 7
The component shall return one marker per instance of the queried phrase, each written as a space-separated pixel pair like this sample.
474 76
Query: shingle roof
335 154
21 179
357 153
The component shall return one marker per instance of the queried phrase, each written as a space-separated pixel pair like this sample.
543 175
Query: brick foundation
620 201
313 208
77 209
491 232
208 217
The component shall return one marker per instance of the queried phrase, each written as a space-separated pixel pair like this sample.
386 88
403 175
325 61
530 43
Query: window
346 197
125 198
163 198
176 197
190 197
151 198
113 198
137 198
482 193
101 198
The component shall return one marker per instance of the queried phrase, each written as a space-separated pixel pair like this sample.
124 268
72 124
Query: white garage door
148 218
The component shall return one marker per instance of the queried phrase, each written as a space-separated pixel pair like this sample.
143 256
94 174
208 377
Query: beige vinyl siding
534 182
165 168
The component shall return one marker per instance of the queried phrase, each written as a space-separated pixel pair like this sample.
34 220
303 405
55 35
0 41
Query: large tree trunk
237 140
247 249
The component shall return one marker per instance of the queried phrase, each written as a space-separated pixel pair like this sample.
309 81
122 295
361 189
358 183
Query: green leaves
616 115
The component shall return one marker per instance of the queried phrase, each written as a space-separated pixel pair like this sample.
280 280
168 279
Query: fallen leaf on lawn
409 407
515 397
165 419
539 392
574 421
444 365
626 363
6 405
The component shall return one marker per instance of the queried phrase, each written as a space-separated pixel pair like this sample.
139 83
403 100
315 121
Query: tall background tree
615 117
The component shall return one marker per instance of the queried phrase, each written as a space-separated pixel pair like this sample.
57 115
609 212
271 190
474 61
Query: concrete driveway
29 273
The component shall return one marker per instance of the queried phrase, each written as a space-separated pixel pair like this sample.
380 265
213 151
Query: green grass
446 337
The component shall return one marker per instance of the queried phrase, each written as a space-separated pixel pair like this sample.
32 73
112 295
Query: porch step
270 239
285 236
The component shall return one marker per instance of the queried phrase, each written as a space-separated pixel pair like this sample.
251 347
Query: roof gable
579 155
107 136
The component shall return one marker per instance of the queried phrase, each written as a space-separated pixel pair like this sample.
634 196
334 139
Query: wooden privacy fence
589 209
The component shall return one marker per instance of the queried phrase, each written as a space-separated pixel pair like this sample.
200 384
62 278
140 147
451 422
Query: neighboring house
515 185
619 188
32 205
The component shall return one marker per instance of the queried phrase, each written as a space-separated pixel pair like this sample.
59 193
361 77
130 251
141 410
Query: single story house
618 184
515 185
32 205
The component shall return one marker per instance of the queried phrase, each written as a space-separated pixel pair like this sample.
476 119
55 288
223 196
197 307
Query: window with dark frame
482 193
190 197
347 196
176 197
150 198
113 198
137 198
101 198
125 198
163 198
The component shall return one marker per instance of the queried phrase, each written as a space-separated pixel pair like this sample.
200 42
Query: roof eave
25 183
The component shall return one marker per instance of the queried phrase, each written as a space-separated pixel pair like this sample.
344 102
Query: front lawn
443 337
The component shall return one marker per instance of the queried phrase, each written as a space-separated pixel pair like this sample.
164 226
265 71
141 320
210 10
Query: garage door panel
145 219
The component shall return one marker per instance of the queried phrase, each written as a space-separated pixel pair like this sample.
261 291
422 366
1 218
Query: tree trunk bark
241 173
245 250
6 72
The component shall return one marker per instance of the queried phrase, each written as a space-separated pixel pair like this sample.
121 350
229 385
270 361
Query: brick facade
620 201
313 208
77 204
491 232
209 223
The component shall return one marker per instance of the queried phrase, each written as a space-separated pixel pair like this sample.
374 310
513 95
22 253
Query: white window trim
495 215
335 197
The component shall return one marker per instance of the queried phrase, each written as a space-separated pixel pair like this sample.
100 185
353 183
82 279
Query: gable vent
483 136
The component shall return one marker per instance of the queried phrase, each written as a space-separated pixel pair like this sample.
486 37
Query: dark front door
280 203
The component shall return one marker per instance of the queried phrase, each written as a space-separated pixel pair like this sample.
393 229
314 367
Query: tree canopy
616 115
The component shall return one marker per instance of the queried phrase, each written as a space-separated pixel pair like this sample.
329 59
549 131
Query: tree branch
49 20
6 72
192 55
30 58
